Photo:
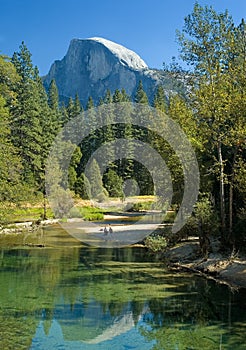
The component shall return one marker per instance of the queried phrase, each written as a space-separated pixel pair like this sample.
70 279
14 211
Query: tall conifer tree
26 128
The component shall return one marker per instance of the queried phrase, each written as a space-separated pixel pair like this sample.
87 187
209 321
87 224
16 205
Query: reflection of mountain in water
120 325
92 324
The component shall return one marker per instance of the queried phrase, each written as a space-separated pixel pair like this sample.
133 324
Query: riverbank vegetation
34 214
210 108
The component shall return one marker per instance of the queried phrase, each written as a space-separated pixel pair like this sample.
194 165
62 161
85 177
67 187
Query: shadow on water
69 296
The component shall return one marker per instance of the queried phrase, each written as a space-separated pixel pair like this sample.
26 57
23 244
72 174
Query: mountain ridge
94 65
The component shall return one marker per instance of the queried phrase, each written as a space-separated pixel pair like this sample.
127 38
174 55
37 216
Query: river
67 295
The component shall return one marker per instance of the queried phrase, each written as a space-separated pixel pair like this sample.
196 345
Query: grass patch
13 215
24 214
87 213
93 217
146 198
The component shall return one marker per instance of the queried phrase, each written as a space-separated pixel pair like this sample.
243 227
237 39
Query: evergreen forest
211 112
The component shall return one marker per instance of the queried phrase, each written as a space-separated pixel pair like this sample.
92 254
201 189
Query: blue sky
145 26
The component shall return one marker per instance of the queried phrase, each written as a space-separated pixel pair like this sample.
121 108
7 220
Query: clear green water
68 296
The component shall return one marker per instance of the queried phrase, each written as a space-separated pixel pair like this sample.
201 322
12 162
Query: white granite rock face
91 66
126 57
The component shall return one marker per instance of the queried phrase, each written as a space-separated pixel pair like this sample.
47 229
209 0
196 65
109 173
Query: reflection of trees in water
202 318
28 281
108 291
16 330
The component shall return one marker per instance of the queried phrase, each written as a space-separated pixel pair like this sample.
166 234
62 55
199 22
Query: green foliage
211 113
87 213
10 165
113 183
141 206
156 243
102 196
212 44
72 173
53 97
205 215
93 217
130 188
9 79
82 187
204 223
239 232
160 101
26 117
61 202
170 217
95 179
23 214
141 96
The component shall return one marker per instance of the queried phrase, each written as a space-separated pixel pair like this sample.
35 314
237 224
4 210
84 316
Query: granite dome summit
126 57
92 66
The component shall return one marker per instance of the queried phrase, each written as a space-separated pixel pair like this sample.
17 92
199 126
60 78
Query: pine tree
124 96
25 124
92 125
160 99
142 113
70 108
117 96
91 142
113 183
9 79
108 131
124 130
141 96
53 96
77 106
72 171
64 114
23 63
95 179
108 97
74 107
142 110
74 114
10 164
11 188
82 187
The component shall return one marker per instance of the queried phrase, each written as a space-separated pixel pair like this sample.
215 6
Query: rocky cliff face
91 66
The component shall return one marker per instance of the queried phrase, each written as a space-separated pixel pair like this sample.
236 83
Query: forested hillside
212 115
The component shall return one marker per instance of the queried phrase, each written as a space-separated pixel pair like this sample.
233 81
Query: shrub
102 197
75 213
156 243
113 183
61 202
141 206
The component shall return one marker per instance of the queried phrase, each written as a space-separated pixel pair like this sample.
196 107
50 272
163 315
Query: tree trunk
222 195
44 206
231 196
230 209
